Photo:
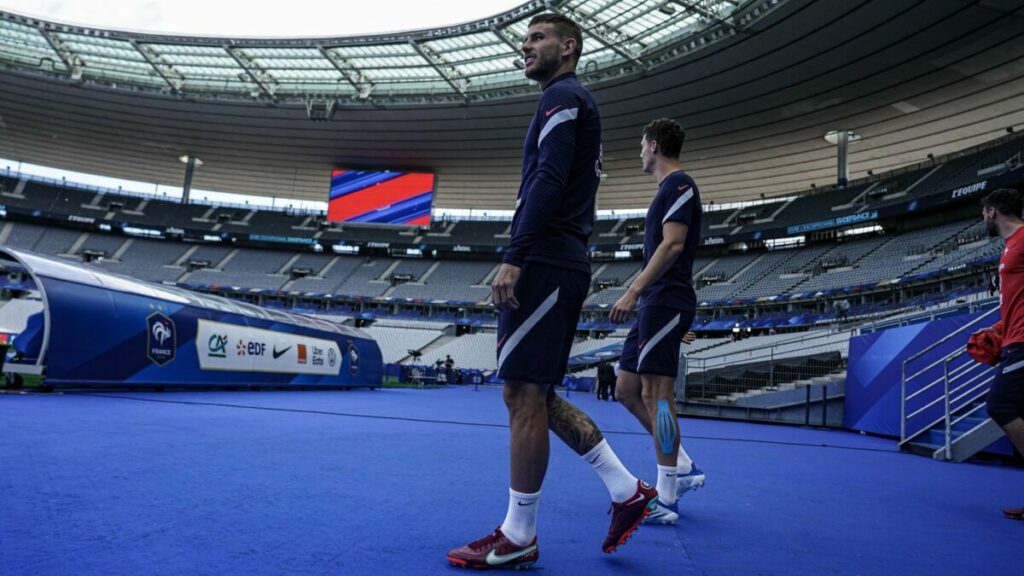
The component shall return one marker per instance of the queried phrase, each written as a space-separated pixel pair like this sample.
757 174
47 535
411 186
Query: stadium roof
466 62
756 90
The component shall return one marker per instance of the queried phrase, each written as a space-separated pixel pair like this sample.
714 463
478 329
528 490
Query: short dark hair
565 26
668 134
1006 201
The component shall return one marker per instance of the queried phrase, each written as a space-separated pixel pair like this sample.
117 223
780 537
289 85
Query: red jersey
1011 290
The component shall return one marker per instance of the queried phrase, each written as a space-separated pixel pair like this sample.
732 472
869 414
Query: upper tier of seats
876 192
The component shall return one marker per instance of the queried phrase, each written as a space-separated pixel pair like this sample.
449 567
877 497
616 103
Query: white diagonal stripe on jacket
563 116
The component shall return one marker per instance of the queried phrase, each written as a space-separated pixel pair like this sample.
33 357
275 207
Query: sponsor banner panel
236 348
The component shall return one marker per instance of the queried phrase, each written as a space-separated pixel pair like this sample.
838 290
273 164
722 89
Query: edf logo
251 348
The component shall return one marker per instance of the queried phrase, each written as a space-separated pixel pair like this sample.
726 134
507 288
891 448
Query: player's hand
503 287
689 337
624 307
983 330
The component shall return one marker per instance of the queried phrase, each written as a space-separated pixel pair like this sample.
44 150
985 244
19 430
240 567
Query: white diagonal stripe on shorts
525 327
563 116
655 339
678 204
1013 367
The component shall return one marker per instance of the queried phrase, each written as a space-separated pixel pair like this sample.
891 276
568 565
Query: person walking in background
666 303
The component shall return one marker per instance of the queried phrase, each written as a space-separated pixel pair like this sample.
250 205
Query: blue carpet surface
386 481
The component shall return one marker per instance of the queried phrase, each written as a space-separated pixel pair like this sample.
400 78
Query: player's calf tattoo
572 426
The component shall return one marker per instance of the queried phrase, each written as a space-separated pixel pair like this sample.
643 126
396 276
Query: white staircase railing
962 383
967 384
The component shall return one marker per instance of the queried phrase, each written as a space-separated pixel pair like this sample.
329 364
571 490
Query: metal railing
948 396
720 378
966 385
973 303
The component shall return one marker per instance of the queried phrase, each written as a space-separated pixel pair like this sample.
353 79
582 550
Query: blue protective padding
875 370
667 429
99 325
99 338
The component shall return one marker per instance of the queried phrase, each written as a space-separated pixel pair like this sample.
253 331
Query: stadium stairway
727 383
948 393
790 392
970 435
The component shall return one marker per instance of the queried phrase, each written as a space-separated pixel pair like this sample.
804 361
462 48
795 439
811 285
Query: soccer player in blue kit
666 303
539 290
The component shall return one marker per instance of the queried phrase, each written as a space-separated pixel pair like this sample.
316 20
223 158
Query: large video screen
384 197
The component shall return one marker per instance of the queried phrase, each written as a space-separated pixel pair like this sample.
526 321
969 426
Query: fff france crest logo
161 339
353 358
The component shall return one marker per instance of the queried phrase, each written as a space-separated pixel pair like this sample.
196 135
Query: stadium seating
315 263
820 267
395 342
475 233
469 351
607 296
452 280
332 275
721 276
617 272
363 281
24 236
147 259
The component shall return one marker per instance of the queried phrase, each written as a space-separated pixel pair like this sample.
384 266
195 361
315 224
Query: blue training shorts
1005 401
652 345
534 340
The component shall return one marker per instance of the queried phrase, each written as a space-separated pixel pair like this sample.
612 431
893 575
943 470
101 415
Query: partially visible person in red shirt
1002 211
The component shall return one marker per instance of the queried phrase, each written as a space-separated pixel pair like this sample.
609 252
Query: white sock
620 483
667 484
520 525
683 461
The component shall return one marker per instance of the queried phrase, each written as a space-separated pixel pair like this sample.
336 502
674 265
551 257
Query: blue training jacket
554 214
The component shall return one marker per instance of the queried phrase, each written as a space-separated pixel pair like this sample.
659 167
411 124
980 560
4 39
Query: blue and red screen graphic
383 197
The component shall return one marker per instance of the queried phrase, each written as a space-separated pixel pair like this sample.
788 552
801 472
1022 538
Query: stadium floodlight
842 140
191 163
834 135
